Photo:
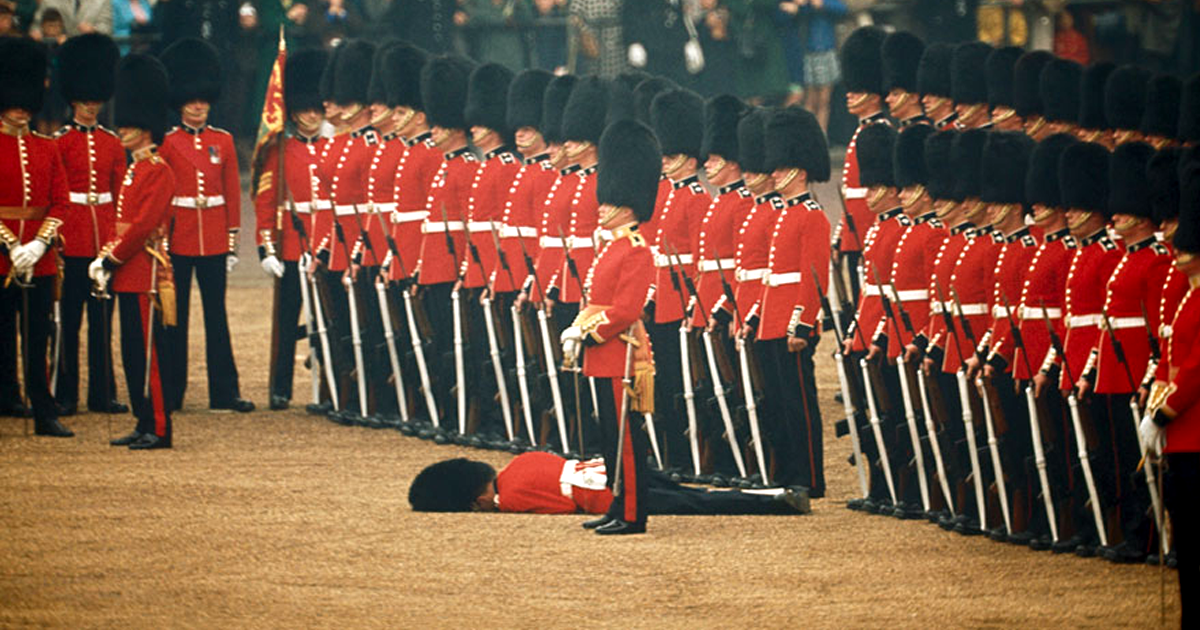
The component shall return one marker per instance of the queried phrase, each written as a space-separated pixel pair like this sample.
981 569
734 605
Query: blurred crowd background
766 51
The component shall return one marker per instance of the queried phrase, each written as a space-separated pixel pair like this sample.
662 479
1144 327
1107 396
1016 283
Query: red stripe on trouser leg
629 480
146 306
808 425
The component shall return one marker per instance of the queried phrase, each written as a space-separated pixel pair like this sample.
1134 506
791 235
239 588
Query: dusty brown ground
281 519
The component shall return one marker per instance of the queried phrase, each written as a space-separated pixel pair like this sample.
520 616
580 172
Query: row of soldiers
1022 348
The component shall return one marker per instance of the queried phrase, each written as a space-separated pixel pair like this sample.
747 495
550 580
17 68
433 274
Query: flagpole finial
282 39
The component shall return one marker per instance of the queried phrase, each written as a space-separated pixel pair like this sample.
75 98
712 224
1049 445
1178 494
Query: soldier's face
1188 263
1043 214
937 107
914 199
715 171
1006 119
16 116
333 112
308 121
880 198
1168 229
902 104
132 137
87 111
1082 222
860 103
484 138
195 113
1127 223
380 114
529 141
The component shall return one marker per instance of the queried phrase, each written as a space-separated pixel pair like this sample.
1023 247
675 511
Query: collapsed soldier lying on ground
544 483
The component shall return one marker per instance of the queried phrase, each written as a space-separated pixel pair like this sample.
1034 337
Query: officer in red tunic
901 54
135 258
617 352
95 163
280 245
1174 428
33 204
205 219
862 61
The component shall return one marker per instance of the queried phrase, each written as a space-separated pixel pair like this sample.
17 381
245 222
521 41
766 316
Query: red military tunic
1176 287
95 162
415 171
322 206
348 195
207 205
1015 259
753 255
33 195
580 246
555 221
660 200
519 223
544 483
617 286
1183 348
791 301
679 216
973 279
1090 269
851 238
447 207
273 225
485 212
954 240
1042 298
1135 287
878 253
714 245
908 279
143 211
381 191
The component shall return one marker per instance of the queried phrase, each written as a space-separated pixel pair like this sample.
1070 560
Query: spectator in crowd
77 16
655 35
763 71
7 18
337 20
494 29
1069 43
131 17
719 45
599 46
821 69
949 21
427 24
550 36
793 52
53 33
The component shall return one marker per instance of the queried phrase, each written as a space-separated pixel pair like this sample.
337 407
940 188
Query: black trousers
670 415
286 330
793 422
218 351
77 293
629 504
37 303
10 383
1181 486
144 377
382 397
439 353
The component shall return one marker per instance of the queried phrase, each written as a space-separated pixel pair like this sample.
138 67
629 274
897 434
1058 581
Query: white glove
693 57
231 261
26 256
572 342
272 266
637 55
98 273
1151 435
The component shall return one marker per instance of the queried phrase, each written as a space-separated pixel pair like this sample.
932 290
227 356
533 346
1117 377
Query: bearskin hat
620 102
1187 236
142 90
1128 185
301 76
404 65
325 84
793 138
487 98
1162 173
933 73
1163 95
444 91
721 116
1027 82
967 152
1091 95
1041 180
750 131
525 95
939 165
999 69
352 76
1189 110
194 69
901 55
583 119
23 68
554 105
678 121
645 92
629 166
1061 88
377 86
1083 177
862 60
874 149
908 157
450 486
87 66
1125 97
967 84
1004 164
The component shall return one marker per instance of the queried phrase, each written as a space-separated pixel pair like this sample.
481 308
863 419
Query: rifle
747 381
493 343
1080 435
310 298
355 333
968 416
548 353
518 341
576 369
989 421
689 394
460 390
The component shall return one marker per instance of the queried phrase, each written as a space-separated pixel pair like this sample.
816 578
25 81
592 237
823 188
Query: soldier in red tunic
617 351
205 219
135 258
1172 425
95 163
280 245
33 204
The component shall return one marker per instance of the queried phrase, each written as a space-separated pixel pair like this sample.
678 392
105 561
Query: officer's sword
968 416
